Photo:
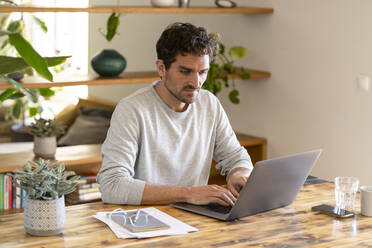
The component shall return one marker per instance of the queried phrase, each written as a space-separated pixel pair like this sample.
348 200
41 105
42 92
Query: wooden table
292 226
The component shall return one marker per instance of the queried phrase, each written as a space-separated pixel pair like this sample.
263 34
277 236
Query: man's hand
210 194
237 179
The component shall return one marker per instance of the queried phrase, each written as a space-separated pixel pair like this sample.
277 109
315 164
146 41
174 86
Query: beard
183 95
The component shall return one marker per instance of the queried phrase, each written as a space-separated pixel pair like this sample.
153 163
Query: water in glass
345 191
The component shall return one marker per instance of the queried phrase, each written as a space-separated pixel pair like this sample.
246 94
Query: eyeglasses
137 218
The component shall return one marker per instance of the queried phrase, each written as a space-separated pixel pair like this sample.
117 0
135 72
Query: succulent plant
46 128
45 180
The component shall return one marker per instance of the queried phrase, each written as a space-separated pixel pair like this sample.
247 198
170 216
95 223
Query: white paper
176 226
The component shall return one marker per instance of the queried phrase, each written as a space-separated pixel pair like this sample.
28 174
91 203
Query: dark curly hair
185 38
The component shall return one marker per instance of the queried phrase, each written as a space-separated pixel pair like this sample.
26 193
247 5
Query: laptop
273 183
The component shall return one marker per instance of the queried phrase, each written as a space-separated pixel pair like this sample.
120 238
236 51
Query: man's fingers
234 191
227 196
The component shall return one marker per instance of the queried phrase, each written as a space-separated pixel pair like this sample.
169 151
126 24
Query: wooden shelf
125 78
74 157
149 10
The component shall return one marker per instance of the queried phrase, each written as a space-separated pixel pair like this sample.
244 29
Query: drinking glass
345 192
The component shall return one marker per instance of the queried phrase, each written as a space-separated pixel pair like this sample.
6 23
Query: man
162 138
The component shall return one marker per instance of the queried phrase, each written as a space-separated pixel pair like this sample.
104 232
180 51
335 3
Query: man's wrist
238 169
185 193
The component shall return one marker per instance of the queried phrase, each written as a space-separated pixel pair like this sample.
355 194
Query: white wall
314 50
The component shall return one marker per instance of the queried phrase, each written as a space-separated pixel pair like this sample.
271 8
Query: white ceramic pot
45 147
162 3
44 218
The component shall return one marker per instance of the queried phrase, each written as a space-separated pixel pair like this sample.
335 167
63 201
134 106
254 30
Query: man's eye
185 72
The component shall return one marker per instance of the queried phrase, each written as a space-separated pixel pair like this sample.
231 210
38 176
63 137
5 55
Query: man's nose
195 80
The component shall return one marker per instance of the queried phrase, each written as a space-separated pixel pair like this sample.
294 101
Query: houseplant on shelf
224 66
109 62
29 58
45 184
45 133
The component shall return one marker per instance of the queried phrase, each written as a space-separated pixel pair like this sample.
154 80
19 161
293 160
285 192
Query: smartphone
151 224
333 211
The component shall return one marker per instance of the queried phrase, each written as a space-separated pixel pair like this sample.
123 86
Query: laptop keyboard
219 208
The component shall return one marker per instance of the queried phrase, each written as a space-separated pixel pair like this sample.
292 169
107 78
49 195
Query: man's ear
161 68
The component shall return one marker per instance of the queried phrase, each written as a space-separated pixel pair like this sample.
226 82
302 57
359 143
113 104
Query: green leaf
3 20
233 96
7 94
4 44
31 57
225 79
17 95
13 64
229 68
14 26
237 52
221 49
68 174
244 74
218 87
32 111
112 25
45 92
29 94
41 23
53 61
16 111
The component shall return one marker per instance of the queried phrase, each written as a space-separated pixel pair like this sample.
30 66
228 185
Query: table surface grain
292 226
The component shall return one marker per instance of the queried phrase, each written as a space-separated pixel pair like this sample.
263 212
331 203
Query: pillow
89 128
68 115
96 112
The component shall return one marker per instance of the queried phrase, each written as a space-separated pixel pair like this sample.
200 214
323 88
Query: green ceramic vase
109 63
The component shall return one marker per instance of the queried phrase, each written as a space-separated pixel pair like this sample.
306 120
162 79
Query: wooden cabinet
256 147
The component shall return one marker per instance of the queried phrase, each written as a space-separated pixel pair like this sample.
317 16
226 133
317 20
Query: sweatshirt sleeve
119 152
228 152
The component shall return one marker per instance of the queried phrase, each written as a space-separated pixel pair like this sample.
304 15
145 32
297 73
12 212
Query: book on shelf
1 191
87 190
9 193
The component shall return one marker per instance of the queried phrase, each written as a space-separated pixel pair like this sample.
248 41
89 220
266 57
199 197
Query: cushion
68 115
90 127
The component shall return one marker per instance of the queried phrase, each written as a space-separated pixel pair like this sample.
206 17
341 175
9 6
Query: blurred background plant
18 55
22 107
112 24
224 66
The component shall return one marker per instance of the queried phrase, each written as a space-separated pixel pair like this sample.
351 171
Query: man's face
185 77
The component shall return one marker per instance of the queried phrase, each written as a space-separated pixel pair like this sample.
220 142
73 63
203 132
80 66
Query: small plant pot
45 147
44 218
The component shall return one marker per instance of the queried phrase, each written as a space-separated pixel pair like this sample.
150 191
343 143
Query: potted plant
45 133
28 58
109 62
45 184
224 66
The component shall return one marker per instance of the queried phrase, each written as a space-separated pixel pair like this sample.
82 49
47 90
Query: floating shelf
125 78
110 9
